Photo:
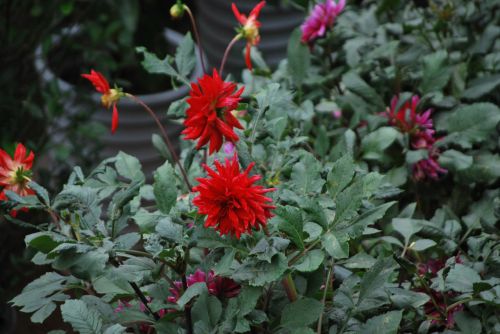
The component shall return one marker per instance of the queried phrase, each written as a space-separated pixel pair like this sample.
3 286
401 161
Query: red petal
248 61
114 119
256 10
241 18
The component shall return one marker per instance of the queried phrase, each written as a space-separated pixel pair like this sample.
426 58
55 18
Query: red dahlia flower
320 20
209 116
110 97
221 287
15 173
428 168
250 28
231 201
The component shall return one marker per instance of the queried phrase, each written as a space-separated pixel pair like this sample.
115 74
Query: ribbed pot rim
46 74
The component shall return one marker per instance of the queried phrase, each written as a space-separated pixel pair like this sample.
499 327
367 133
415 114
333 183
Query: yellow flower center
111 97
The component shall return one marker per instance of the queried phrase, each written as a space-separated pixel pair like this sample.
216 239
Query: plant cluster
354 189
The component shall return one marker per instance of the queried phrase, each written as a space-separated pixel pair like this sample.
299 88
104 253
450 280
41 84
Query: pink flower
320 20
428 168
337 114
228 148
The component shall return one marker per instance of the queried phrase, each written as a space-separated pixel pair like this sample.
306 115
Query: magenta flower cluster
321 19
422 136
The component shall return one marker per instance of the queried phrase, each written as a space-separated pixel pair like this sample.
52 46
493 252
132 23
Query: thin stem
165 137
289 286
327 284
254 129
197 37
187 309
143 299
226 53
137 291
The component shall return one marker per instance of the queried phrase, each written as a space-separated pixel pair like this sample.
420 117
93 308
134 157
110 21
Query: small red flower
110 97
210 116
15 173
231 201
250 28
221 287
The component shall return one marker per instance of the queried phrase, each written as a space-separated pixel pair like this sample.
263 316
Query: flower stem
226 53
165 137
328 282
289 286
187 309
197 37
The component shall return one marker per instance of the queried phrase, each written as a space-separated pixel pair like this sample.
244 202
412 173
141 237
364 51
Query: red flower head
15 174
221 287
209 116
231 201
406 118
250 28
110 97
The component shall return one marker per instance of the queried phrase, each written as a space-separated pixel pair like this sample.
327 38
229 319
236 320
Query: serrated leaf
301 313
355 84
310 261
375 278
192 291
337 247
290 222
129 167
435 73
461 278
299 58
185 57
340 175
387 323
164 187
82 319
169 230
374 144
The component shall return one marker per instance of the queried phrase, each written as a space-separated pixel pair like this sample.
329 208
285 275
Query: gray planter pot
136 127
217 23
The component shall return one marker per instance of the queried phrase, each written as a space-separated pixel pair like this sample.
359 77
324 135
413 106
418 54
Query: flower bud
177 10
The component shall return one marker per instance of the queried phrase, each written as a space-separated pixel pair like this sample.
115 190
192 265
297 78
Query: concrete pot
135 126
217 23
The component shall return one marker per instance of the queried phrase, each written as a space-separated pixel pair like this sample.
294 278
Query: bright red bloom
221 287
110 97
209 116
250 28
231 201
15 173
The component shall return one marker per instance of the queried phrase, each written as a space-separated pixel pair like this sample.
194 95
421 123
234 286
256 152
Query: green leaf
340 175
310 261
185 57
356 227
207 309
374 144
387 323
115 329
153 64
338 248
355 84
164 187
299 58
403 298
82 319
169 230
301 313
44 242
129 167
471 124
406 227
455 160
194 290
375 278
422 244
467 323
290 222
435 73
41 192
313 230
348 202
306 175
481 86
461 278
259 273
